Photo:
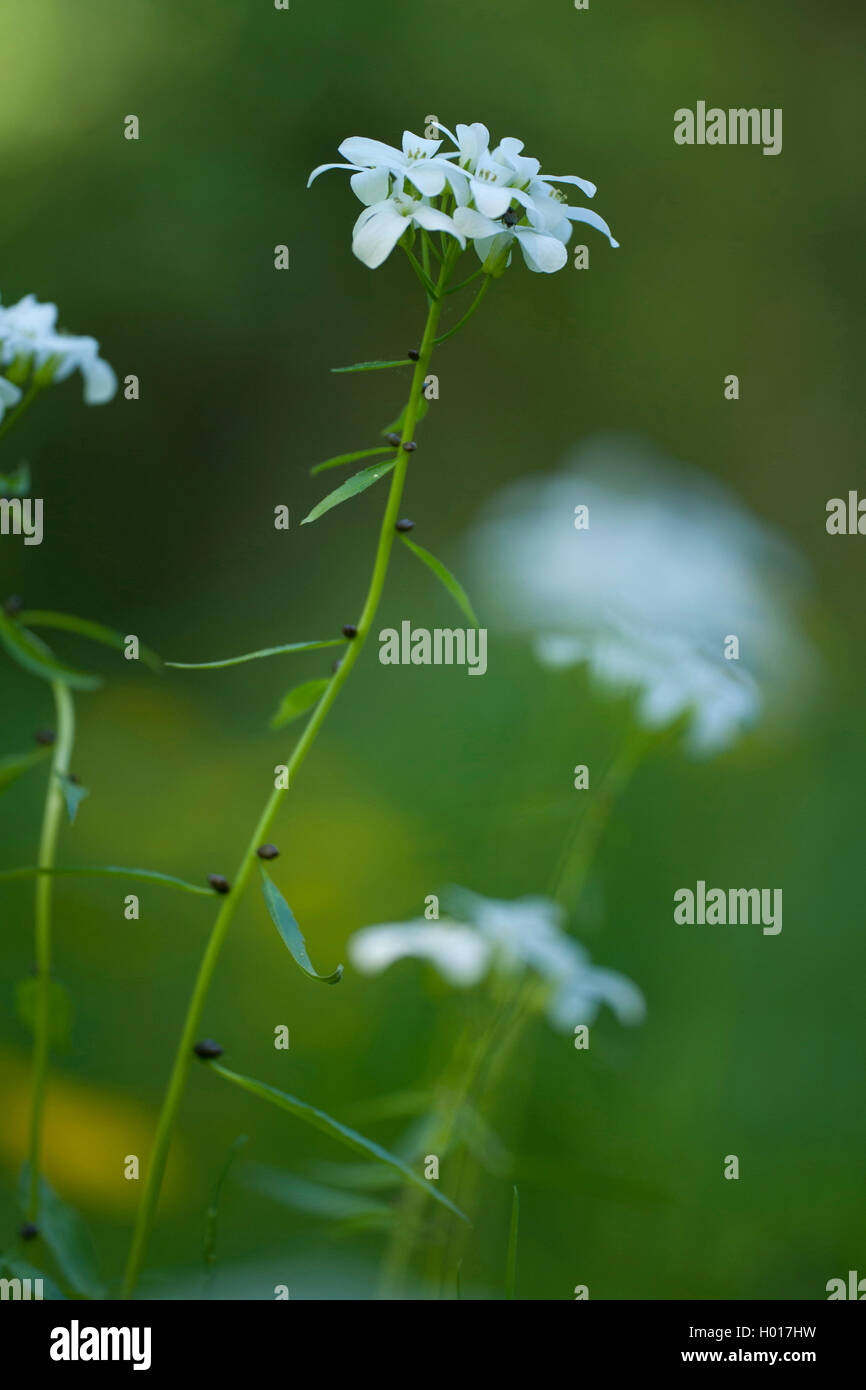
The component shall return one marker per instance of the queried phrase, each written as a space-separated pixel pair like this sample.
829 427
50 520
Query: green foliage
255 656
33 655
350 458
284 920
104 871
359 482
335 1130
298 700
15 764
73 794
374 366
83 627
67 1237
454 587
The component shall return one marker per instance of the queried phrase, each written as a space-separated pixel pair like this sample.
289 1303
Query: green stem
469 312
183 1057
25 402
51 820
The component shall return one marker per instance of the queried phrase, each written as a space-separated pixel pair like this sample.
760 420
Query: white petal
362 151
541 253
436 221
100 382
413 143
429 181
593 219
371 185
459 954
583 184
323 167
377 232
490 199
471 224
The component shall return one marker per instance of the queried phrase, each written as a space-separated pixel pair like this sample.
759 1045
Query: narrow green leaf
254 656
299 699
19 1269
27 994
375 366
454 587
312 1198
73 794
67 1237
350 458
105 871
396 426
350 1137
95 632
35 657
284 920
357 483
12 767
511 1261
16 483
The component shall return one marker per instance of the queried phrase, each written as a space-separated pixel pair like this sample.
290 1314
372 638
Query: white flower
668 570
9 395
373 163
380 227
28 334
509 937
499 197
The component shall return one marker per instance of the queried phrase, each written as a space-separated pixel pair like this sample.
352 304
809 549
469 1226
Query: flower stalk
198 999
51 820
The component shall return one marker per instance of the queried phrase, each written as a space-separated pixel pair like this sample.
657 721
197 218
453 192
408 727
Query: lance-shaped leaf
94 632
313 1198
35 657
342 1133
454 587
375 366
12 767
350 488
73 794
350 458
104 871
16 483
299 699
27 1003
284 920
254 656
66 1236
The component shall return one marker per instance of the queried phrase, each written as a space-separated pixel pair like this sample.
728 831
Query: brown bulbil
405 525
218 883
207 1049
268 852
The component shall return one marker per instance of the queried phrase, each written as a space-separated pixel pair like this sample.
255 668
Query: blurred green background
159 522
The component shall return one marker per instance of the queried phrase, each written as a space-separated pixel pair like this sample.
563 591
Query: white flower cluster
512 938
648 596
30 342
493 198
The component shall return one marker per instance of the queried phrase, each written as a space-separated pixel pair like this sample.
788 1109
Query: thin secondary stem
51 820
469 312
183 1057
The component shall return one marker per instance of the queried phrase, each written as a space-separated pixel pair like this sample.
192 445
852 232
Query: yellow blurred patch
89 1131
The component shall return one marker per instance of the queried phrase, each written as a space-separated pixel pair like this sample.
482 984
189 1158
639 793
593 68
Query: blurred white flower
9 395
669 568
511 938
29 338
372 163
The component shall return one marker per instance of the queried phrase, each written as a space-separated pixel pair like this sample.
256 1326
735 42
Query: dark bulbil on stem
28 1231
268 852
45 736
410 446
394 439
218 883
404 525
413 354
349 631
207 1050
